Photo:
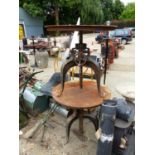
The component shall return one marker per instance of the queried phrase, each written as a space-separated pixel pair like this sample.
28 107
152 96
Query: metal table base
80 114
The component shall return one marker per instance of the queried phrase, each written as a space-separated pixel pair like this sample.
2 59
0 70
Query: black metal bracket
80 57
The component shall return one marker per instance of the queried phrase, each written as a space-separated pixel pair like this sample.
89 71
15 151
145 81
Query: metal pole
34 51
81 121
80 66
80 37
106 56
81 76
107 118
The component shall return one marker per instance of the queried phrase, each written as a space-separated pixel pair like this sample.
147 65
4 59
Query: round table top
77 98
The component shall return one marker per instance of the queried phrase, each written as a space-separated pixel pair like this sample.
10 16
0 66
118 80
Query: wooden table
79 99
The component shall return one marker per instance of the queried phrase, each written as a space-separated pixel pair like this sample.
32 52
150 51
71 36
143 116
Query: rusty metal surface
77 98
85 28
79 56
37 45
89 63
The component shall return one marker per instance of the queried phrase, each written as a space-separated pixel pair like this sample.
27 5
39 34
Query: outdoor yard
121 73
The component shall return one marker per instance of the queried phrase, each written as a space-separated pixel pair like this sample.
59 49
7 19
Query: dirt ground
121 72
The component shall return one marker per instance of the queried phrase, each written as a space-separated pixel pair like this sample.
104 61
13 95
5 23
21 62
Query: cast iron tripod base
80 115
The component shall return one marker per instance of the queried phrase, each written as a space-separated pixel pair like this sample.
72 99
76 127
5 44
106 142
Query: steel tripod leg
43 132
68 126
93 120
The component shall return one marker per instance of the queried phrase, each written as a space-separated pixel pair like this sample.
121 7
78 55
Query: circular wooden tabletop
77 98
